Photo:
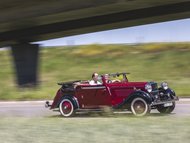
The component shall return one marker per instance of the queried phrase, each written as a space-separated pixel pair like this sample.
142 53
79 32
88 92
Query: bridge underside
29 21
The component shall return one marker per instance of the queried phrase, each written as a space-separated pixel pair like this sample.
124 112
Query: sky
173 31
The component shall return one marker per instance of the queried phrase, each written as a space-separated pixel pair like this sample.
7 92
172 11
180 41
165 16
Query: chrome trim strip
96 87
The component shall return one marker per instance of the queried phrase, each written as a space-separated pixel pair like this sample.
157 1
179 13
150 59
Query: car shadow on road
110 115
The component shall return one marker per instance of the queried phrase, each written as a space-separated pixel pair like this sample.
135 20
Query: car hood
136 84
140 85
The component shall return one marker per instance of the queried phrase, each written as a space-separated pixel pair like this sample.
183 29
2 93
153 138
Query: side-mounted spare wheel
66 107
140 107
166 110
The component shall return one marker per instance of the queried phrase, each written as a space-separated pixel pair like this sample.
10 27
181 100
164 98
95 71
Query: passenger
94 80
107 78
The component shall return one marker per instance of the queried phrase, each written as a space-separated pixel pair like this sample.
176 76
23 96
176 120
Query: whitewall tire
66 108
140 107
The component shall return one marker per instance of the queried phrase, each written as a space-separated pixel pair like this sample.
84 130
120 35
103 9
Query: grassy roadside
150 62
95 130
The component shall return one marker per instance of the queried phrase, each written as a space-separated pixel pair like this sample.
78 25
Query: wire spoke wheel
66 108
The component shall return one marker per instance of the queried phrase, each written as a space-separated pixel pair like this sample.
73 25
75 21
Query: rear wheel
166 110
140 107
66 108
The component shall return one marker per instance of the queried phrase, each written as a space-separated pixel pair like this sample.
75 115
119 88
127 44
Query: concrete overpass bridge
23 22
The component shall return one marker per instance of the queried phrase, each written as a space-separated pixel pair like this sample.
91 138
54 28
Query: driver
94 80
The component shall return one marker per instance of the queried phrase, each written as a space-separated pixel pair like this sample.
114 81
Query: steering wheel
115 81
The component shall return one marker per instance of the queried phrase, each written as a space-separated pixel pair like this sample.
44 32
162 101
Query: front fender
139 93
171 92
147 97
168 92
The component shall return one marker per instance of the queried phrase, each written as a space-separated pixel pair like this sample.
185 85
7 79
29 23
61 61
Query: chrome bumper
163 102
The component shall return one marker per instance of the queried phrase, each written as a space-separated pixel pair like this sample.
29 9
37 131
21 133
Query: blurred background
152 46
146 62
147 38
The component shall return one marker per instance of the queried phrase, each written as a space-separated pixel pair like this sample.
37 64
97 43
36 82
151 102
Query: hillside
149 62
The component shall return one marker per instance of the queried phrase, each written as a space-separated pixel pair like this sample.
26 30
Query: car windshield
120 77
116 77
100 79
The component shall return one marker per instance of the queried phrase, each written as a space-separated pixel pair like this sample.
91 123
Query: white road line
184 99
24 102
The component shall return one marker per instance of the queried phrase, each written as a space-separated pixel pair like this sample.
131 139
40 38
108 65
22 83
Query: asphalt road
37 109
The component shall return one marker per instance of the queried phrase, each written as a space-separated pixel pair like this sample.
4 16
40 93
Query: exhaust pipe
47 104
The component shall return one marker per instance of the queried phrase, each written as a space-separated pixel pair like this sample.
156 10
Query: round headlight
148 87
164 85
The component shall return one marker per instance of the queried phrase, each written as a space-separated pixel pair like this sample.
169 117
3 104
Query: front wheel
140 107
66 108
166 110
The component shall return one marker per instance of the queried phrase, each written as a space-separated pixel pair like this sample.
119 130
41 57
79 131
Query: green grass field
120 129
149 62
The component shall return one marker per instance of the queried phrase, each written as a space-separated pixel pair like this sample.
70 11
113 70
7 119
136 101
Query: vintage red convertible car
118 93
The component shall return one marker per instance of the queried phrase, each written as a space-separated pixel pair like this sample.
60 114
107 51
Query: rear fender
56 99
71 98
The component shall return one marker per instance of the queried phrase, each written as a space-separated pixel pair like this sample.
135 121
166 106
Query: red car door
92 96
119 92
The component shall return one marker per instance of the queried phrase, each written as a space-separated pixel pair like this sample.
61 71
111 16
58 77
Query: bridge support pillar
25 57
